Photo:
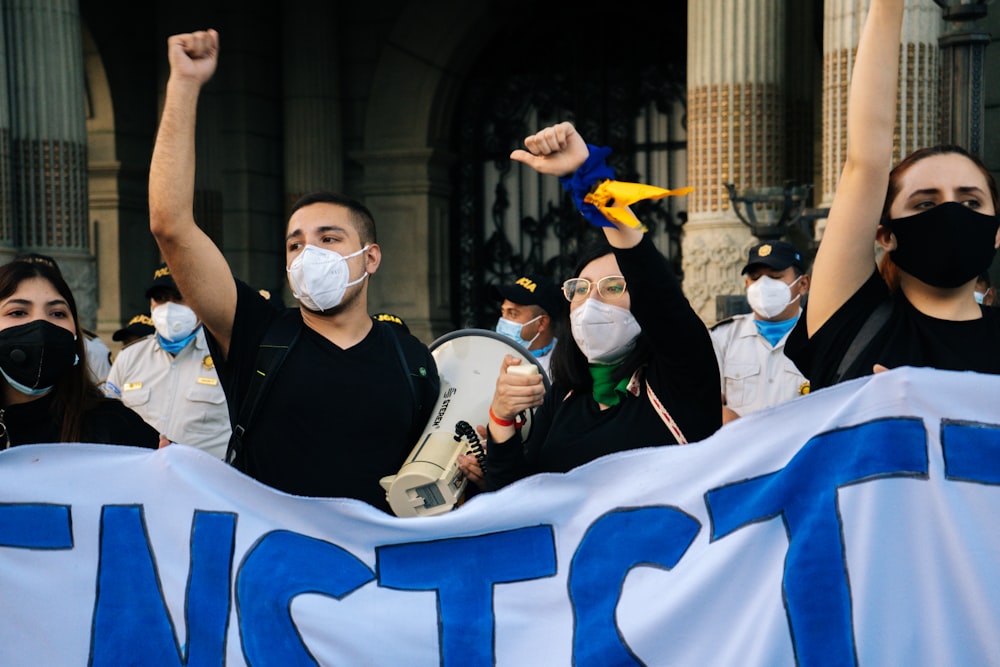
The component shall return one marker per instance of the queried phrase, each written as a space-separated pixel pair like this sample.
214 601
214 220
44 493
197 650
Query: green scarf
606 390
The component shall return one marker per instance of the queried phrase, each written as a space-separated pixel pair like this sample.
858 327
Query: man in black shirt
352 393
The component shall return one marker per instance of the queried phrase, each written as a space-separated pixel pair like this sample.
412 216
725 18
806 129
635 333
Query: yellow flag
612 199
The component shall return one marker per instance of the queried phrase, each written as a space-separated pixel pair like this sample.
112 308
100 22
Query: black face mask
946 246
35 355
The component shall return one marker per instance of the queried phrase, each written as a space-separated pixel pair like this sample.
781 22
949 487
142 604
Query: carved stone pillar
917 123
48 142
314 151
6 207
313 148
735 115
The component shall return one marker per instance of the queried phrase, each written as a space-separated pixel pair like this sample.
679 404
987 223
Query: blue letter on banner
971 451
282 565
804 494
35 526
616 543
463 571
131 621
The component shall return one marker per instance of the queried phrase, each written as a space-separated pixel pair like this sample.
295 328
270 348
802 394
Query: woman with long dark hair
638 370
46 394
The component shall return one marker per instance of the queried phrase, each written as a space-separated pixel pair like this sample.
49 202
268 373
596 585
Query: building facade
413 107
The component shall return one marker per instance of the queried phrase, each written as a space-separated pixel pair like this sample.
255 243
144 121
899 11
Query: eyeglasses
608 287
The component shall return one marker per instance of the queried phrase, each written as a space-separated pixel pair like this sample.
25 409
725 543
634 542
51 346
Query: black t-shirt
332 422
682 370
108 422
908 338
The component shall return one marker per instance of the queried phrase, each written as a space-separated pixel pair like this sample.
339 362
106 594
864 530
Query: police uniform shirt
98 357
546 359
754 375
180 396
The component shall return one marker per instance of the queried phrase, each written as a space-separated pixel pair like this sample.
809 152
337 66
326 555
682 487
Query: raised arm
846 254
560 150
201 272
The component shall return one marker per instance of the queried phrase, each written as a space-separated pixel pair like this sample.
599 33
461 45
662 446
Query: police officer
169 378
754 370
138 327
532 308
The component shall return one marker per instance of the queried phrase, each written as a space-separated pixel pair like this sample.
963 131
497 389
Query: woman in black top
639 369
46 394
934 215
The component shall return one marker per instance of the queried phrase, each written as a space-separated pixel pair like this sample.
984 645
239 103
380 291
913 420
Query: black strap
278 340
394 336
865 334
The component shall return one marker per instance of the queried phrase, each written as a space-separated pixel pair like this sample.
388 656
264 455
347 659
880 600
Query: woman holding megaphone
639 369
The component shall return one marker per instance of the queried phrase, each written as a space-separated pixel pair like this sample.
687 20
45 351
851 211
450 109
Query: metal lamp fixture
963 59
771 213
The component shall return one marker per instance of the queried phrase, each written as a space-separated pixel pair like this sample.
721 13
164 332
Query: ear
886 239
804 283
373 258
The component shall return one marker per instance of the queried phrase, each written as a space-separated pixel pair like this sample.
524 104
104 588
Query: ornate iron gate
509 221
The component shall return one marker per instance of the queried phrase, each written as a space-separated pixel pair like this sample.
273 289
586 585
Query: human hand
557 150
728 415
193 55
164 441
469 465
879 368
515 392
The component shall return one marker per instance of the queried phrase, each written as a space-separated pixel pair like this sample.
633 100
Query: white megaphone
468 361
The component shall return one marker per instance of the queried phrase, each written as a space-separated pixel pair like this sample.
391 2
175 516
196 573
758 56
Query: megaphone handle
465 430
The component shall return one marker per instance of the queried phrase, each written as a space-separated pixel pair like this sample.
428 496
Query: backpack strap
409 370
865 334
279 338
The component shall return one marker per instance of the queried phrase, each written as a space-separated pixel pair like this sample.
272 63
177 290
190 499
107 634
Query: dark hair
74 393
887 268
569 367
364 221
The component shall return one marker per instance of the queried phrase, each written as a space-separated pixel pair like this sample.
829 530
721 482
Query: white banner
856 525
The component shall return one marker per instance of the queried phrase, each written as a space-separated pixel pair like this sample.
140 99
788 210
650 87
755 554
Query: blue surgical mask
512 330
775 331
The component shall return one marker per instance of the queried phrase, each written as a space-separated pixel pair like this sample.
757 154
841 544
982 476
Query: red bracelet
498 421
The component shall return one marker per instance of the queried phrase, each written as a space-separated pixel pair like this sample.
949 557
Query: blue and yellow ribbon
608 202
612 199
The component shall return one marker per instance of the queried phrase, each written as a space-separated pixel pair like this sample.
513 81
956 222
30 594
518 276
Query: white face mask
173 321
980 296
319 278
769 296
605 333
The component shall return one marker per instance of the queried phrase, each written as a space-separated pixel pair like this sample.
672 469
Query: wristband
498 421
579 184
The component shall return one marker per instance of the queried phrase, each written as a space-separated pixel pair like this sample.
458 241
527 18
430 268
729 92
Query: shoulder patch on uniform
137 340
731 318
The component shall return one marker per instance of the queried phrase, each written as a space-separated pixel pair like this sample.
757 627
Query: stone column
48 145
314 151
6 204
313 147
735 116
917 122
